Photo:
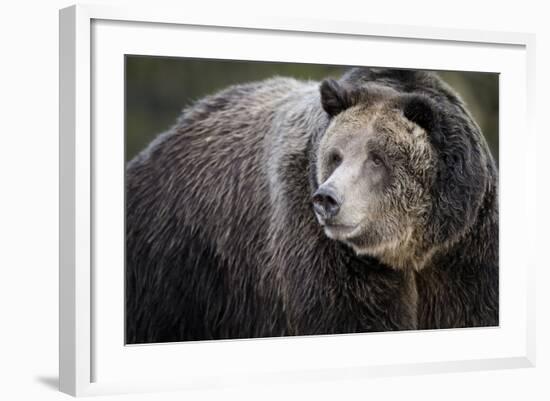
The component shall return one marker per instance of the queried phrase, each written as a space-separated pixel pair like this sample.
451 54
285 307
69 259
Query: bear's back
198 211
204 170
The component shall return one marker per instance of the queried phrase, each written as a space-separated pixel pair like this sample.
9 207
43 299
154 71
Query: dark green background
158 88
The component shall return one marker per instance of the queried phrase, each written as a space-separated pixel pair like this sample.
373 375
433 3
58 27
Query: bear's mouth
339 231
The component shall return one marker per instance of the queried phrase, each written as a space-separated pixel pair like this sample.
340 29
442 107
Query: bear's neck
458 286
478 245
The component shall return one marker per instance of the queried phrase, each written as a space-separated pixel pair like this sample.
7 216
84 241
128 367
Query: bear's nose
326 202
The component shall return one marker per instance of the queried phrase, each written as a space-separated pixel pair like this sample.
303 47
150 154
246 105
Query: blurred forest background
159 88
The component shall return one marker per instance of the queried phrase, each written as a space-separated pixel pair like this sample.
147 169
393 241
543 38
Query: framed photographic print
268 201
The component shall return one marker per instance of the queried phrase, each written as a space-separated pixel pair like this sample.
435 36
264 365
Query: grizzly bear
427 199
285 207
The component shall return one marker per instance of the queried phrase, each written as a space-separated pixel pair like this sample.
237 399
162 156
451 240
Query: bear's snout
326 203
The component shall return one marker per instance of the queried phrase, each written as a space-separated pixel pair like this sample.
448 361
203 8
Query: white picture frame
93 358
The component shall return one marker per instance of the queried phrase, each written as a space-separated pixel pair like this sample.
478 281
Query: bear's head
398 175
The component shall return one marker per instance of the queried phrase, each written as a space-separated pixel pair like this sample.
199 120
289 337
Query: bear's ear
422 111
334 98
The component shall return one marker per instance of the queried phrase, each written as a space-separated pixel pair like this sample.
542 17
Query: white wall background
29 200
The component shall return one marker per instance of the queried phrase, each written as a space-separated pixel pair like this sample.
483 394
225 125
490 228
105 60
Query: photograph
270 199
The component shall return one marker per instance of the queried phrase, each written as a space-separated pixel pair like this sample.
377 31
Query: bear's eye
375 160
335 159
